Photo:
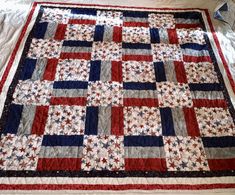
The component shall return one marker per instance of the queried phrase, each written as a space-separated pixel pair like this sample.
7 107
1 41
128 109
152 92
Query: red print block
84 56
221 164
136 24
116 71
196 59
80 21
117 34
50 71
147 58
150 102
60 32
148 164
197 25
191 122
57 164
180 72
117 121
40 119
172 35
81 101
209 103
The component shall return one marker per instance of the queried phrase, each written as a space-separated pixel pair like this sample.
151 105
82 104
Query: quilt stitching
114 91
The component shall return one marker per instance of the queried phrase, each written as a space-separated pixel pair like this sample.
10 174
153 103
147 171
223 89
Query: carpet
116 98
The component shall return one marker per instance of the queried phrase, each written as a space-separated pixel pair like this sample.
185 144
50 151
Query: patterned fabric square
103 153
104 93
110 18
161 21
106 51
72 70
80 32
136 35
56 15
33 92
185 154
190 35
166 52
174 94
65 120
134 71
142 121
19 152
47 48
215 122
201 72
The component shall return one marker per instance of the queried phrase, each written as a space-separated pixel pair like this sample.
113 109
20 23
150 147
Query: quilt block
116 92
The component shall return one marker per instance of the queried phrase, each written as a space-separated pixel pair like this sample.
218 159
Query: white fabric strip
117 181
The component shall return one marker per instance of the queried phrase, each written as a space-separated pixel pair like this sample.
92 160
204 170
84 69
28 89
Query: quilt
116 98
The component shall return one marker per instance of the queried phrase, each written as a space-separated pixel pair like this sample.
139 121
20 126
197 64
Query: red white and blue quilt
116 98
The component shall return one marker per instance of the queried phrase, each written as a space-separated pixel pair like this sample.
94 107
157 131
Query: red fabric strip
116 71
117 34
197 59
221 164
58 164
40 119
50 71
60 32
81 101
85 56
150 102
80 21
148 58
180 72
145 164
172 36
187 25
136 24
191 122
115 187
117 121
209 103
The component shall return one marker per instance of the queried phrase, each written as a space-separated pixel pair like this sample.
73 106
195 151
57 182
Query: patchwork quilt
116 98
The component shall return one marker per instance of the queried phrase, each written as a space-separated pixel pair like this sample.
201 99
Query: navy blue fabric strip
70 85
135 14
143 141
77 43
226 141
28 69
194 46
40 30
205 87
167 122
99 33
62 140
95 71
159 71
139 86
13 119
91 125
85 11
187 15
136 46
154 35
